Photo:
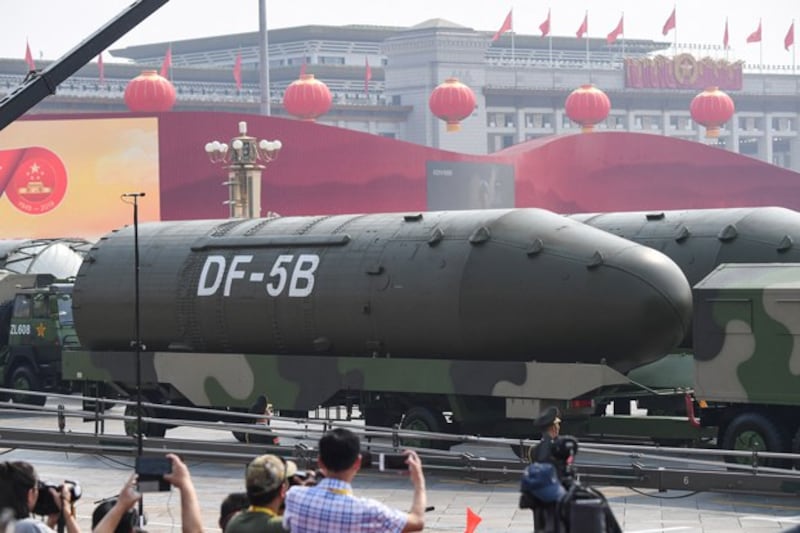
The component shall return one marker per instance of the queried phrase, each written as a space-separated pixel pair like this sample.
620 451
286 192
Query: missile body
510 285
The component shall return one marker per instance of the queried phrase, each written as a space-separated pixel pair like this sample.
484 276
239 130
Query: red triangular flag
29 57
725 39
545 26
367 74
167 64
101 73
789 39
616 32
507 26
472 521
237 71
584 26
755 37
670 23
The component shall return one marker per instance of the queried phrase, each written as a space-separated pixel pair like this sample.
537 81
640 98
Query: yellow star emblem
40 330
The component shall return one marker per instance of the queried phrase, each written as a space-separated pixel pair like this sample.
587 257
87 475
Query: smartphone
151 472
392 461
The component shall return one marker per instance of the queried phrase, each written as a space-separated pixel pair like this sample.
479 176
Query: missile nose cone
661 316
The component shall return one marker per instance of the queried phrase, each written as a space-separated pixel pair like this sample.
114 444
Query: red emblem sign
35 179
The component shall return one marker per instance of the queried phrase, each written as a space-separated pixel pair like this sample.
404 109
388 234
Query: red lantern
587 105
149 92
452 101
307 98
712 108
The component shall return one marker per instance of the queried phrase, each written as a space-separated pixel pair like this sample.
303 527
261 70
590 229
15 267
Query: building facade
520 83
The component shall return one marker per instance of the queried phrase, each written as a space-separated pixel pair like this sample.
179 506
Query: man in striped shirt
331 507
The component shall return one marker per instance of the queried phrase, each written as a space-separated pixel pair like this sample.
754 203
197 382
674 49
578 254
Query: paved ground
101 477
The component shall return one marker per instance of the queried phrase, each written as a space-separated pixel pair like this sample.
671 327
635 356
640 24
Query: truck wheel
754 432
24 379
425 419
149 429
796 448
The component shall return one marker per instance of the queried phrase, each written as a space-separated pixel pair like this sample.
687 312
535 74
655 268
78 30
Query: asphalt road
496 503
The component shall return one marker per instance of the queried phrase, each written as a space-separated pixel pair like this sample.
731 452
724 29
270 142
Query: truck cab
38 325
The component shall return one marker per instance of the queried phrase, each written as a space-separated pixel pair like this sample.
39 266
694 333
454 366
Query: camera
46 504
151 472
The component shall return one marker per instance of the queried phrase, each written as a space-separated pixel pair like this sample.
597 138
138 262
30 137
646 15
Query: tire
424 419
796 448
24 379
149 429
754 432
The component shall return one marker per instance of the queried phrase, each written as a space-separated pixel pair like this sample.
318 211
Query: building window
331 60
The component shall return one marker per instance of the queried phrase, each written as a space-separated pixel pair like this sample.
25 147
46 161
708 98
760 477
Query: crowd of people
277 497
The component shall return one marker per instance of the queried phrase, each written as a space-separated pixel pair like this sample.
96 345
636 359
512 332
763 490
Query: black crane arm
38 85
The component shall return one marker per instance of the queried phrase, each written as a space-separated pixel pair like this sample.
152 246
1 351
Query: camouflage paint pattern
305 382
747 328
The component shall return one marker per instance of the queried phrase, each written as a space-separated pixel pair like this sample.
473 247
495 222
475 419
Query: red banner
683 71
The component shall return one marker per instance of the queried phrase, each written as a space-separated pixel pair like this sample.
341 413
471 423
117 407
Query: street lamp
132 198
243 160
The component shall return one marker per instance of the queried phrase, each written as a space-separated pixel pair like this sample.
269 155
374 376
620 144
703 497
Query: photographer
21 491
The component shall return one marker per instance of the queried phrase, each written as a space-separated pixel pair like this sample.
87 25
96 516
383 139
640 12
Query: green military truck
747 356
35 325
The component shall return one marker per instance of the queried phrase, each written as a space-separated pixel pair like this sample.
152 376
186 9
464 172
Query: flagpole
513 59
623 39
550 48
675 11
725 44
794 49
588 60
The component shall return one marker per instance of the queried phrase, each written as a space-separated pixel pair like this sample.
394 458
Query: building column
794 154
734 134
765 142
520 124
559 120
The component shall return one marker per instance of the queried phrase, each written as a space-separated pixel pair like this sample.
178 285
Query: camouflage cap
267 472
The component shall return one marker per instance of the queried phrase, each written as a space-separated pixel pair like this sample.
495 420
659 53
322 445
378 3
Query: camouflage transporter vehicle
35 325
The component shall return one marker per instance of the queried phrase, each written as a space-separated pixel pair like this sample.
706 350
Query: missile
698 240
506 284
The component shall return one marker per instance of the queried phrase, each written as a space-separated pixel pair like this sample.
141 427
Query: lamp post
243 158
133 199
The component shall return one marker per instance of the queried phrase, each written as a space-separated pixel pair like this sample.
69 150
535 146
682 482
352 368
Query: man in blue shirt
331 507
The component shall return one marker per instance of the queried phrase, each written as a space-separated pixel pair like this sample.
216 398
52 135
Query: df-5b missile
511 285
699 240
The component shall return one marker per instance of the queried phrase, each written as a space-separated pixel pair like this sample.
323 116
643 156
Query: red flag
616 32
584 26
789 39
237 71
670 23
303 68
545 26
507 26
472 521
755 37
29 57
725 35
101 73
367 74
167 64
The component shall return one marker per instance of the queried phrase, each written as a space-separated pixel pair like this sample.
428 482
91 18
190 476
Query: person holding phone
331 507
179 477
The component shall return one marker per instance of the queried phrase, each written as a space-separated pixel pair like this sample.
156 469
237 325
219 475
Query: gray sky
55 26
